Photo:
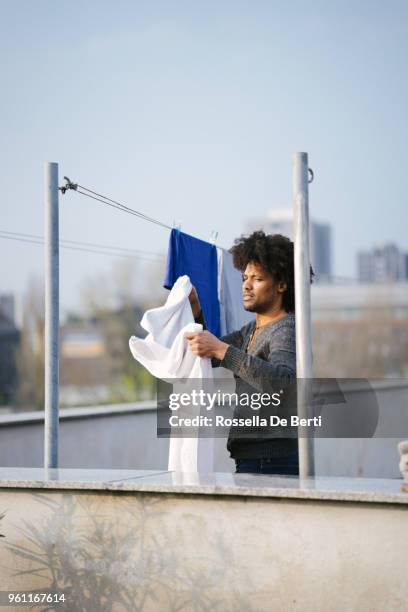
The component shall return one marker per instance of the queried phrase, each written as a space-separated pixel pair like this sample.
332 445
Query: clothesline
85 191
88 247
209 267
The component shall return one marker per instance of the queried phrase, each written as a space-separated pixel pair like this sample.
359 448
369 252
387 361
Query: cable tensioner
68 185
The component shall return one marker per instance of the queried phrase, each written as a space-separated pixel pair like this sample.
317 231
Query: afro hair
275 253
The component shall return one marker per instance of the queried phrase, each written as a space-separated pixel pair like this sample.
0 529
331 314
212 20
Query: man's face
259 290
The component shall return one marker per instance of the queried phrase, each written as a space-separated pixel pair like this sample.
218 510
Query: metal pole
51 315
302 304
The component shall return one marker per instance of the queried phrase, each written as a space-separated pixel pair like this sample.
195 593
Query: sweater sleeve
233 339
263 374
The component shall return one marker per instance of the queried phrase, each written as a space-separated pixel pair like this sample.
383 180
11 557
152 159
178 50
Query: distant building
9 341
81 343
85 367
320 256
280 221
7 306
365 265
360 330
354 302
385 263
95 357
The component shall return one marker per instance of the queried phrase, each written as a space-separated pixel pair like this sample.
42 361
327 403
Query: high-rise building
385 263
280 221
7 306
9 340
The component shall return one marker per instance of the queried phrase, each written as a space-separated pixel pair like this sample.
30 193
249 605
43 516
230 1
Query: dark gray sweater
266 367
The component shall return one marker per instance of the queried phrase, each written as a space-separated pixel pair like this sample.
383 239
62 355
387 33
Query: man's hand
194 303
205 344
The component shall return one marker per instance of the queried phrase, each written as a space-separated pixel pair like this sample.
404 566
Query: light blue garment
233 316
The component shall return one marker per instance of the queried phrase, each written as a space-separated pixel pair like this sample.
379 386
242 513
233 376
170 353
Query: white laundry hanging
166 354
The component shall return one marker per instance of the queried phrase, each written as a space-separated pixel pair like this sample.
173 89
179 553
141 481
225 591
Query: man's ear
282 287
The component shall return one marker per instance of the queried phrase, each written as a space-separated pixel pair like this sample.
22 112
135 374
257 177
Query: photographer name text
253 421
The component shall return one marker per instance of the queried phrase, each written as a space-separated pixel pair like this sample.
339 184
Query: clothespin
176 225
213 237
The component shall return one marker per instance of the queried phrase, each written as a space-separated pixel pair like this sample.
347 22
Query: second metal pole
51 314
302 305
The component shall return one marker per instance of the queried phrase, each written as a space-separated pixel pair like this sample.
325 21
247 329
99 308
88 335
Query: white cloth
166 354
233 316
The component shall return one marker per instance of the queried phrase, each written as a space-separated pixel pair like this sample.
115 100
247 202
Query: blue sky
191 112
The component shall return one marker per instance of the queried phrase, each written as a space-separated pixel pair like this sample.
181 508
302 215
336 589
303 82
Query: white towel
166 354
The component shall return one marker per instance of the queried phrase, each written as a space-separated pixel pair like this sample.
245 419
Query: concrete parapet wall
149 552
124 437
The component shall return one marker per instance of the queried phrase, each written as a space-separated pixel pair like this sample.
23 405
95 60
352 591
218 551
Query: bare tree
30 354
370 345
115 301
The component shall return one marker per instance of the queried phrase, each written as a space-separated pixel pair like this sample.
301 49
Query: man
263 352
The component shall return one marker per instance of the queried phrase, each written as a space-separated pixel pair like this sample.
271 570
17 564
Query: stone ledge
365 490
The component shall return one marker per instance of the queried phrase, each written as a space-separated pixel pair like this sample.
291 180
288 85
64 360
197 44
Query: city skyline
280 221
382 262
194 120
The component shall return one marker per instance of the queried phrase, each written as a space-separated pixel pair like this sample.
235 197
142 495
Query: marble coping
86 412
369 490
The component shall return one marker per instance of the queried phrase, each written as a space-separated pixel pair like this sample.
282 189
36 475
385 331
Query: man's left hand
205 344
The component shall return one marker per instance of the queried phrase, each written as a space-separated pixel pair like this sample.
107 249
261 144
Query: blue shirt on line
198 259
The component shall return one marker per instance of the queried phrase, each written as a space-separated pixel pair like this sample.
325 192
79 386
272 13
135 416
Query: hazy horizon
191 114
